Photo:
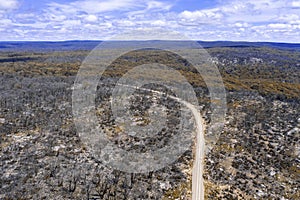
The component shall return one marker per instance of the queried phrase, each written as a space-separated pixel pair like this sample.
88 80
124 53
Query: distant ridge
48 45
90 44
295 46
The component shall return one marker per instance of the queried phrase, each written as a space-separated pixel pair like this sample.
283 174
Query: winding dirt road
197 173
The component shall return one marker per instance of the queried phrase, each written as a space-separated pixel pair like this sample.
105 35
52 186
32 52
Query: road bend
197 173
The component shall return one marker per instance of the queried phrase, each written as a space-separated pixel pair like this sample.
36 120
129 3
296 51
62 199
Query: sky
207 20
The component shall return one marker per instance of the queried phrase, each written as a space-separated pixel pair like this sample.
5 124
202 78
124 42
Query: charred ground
256 157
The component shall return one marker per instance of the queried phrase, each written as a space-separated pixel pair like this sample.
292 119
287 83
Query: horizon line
233 41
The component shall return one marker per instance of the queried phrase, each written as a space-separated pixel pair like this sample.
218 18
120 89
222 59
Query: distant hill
48 46
294 46
89 45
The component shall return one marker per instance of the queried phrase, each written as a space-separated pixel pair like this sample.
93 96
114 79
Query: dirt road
197 173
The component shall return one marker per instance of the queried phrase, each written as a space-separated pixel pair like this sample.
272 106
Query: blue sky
209 20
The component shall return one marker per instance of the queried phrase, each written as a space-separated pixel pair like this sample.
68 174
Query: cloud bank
261 20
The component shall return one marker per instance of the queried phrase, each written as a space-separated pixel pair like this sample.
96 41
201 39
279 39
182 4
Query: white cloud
158 5
105 25
8 4
280 26
296 4
93 6
25 15
201 16
104 17
91 18
241 24
259 20
124 23
159 23
71 23
5 22
248 11
288 17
